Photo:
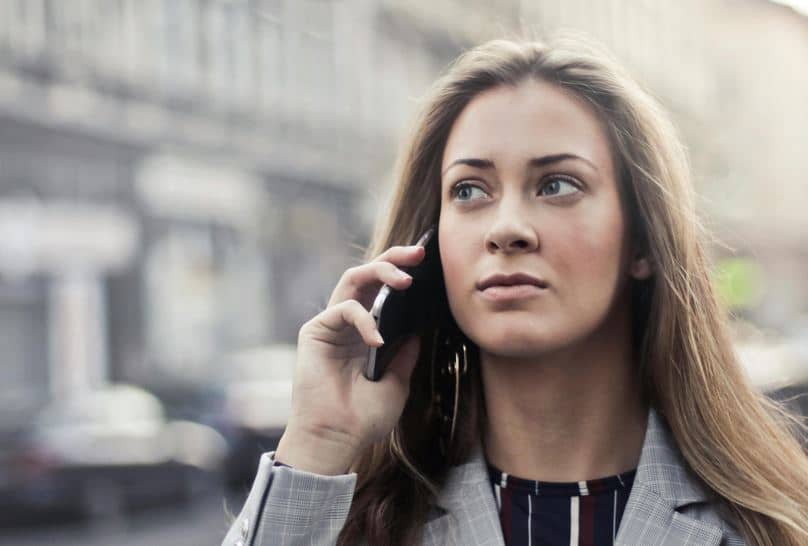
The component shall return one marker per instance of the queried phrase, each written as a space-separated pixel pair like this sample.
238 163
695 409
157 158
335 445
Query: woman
600 388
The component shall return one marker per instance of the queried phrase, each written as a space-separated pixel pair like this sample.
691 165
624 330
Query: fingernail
378 337
403 275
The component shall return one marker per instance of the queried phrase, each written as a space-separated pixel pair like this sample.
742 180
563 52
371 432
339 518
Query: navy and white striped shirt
585 513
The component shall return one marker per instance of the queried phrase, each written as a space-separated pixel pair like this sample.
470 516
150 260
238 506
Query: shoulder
669 496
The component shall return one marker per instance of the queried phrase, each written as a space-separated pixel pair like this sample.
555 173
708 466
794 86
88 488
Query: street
200 523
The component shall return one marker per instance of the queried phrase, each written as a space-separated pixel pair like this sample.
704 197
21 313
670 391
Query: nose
511 232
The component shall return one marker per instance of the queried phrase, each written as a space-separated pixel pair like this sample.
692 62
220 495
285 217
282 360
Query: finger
363 282
402 255
348 314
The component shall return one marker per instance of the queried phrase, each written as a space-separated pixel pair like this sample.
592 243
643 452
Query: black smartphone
402 313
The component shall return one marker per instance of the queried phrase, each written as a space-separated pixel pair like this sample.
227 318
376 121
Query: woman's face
528 186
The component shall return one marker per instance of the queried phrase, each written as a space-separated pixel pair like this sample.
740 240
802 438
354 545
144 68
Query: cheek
455 261
587 255
457 249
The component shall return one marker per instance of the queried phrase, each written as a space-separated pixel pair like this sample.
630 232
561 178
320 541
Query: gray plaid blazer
667 506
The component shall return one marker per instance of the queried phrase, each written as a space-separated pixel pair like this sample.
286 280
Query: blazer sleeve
290 506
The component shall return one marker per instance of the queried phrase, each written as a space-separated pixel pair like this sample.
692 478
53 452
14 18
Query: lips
501 279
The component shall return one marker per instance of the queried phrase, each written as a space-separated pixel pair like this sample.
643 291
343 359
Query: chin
516 342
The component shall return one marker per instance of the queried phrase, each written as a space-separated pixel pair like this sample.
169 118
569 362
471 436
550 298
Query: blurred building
180 178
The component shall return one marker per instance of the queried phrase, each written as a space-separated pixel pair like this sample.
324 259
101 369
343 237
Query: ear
640 267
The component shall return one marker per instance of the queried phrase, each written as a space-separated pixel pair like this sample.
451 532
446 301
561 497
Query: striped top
585 513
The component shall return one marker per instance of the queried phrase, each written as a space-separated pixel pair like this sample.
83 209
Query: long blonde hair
742 445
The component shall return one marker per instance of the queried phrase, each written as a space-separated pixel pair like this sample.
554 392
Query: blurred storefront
64 228
178 179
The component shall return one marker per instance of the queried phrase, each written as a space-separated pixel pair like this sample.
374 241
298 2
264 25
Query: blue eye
558 186
555 186
463 188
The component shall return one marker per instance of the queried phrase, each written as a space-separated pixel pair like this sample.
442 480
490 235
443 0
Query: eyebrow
534 162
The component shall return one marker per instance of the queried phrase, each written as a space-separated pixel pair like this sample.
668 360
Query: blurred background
182 182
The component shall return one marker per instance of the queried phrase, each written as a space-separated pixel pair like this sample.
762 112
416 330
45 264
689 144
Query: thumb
403 363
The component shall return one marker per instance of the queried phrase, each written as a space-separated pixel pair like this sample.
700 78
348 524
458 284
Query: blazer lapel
466 513
663 485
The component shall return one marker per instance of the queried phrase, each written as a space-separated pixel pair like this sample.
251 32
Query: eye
558 186
461 190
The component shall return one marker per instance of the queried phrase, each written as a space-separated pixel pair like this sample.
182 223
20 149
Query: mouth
500 280
518 286
500 293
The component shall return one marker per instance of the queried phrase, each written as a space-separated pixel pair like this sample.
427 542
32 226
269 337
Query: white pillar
77 332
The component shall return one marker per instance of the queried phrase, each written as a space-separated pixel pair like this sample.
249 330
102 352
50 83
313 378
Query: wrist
312 454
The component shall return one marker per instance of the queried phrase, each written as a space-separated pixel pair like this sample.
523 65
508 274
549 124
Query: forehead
532 119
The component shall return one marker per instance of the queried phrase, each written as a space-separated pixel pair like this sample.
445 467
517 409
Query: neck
573 415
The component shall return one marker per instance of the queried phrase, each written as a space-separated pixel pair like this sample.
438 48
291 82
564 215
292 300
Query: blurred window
180 283
139 44
270 54
228 47
22 27
23 340
310 54
179 71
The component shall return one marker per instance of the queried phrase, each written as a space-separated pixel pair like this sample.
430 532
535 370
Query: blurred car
104 453
778 367
255 403
772 364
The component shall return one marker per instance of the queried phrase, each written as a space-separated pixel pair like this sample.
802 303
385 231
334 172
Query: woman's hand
336 411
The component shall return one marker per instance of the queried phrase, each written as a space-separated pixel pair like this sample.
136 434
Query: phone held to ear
400 314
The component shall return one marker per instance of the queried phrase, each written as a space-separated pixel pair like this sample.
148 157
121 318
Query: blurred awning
773 365
182 187
36 237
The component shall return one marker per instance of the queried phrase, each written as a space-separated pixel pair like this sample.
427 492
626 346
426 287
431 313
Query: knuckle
349 275
383 255
312 323
304 331
382 268
346 306
389 253
365 315
379 268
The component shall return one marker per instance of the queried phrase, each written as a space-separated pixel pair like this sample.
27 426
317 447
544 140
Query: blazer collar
663 469
663 484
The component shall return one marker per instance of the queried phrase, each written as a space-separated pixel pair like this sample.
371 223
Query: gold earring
454 370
